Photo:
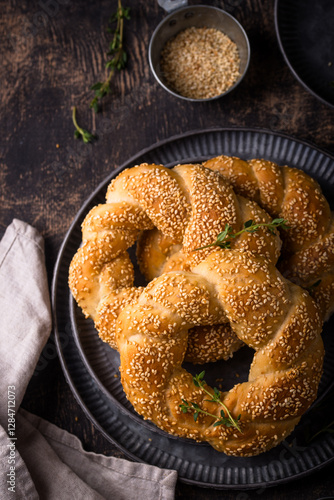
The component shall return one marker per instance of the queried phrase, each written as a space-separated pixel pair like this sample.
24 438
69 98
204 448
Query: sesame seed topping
202 305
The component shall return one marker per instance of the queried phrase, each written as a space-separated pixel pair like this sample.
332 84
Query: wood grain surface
52 51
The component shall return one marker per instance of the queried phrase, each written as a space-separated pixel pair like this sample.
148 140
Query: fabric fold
25 319
38 460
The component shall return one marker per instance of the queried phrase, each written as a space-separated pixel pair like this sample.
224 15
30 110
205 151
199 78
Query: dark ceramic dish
91 367
305 34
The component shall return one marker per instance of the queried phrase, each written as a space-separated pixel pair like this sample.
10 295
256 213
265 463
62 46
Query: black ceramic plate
91 367
306 37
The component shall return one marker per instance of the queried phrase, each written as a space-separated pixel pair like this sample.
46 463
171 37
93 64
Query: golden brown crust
189 205
211 343
308 250
213 205
153 250
275 317
308 246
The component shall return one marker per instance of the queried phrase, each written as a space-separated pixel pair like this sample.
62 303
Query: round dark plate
305 34
91 367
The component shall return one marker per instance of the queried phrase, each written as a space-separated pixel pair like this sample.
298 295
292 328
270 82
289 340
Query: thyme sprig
224 419
224 238
81 133
117 55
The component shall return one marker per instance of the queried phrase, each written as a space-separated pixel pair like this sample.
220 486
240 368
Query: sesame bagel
189 205
275 317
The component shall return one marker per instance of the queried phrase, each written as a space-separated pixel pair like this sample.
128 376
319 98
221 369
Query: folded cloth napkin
39 460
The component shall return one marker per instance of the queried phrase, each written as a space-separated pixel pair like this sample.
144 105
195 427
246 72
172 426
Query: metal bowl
198 16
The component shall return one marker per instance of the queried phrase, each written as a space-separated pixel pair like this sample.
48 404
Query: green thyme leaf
81 133
226 420
248 224
116 53
224 238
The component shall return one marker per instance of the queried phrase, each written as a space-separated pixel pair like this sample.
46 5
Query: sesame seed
200 63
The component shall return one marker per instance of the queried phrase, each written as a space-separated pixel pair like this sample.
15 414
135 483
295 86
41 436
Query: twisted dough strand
289 193
188 204
275 317
308 246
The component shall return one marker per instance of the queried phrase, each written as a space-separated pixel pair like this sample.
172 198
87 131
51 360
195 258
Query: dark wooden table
51 52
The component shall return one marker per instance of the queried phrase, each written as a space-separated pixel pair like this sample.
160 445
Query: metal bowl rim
197 7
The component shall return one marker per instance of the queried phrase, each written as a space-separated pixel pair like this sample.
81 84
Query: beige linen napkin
39 460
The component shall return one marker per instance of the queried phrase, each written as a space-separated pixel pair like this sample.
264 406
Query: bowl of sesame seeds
199 53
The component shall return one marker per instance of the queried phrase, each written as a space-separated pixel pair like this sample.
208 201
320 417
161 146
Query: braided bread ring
101 273
270 314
